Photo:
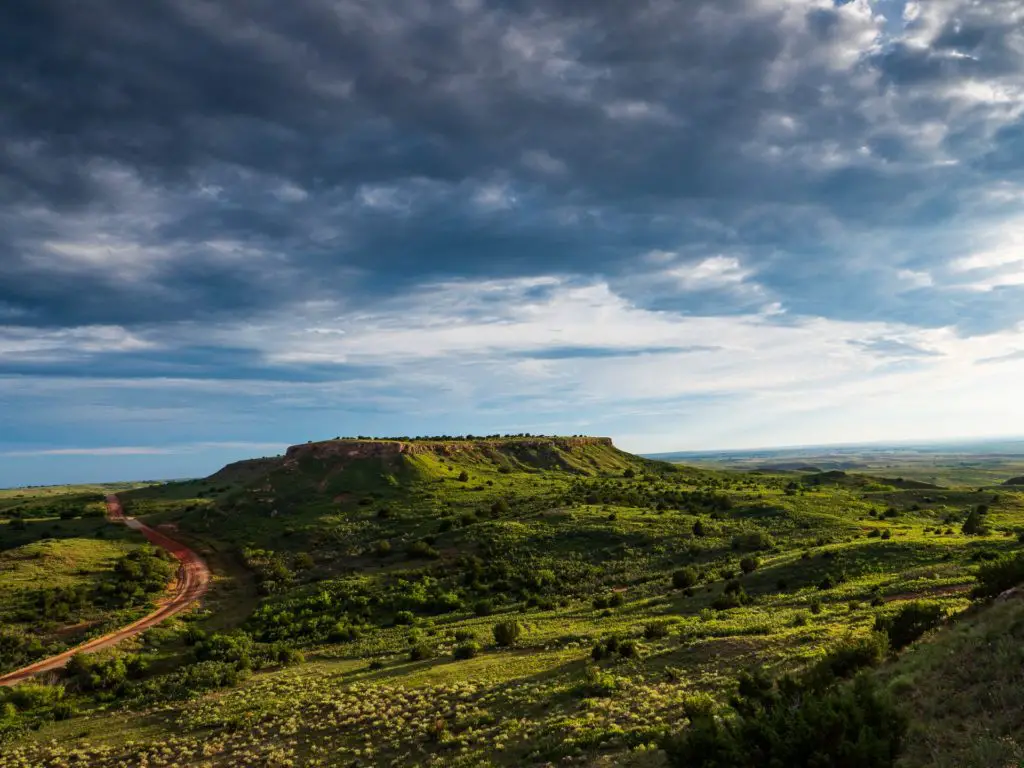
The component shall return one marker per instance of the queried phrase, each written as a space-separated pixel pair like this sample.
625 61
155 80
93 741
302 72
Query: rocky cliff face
383 449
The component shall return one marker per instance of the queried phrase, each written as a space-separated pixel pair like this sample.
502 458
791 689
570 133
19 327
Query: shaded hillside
850 480
965 691
1015 481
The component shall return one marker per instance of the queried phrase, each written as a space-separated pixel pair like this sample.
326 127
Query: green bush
598 683
851 655
628 649
507 632
685 577
912 621
1000 575
420 651
420 549
785 725
655 630
466 650
749 564
974 525
752 541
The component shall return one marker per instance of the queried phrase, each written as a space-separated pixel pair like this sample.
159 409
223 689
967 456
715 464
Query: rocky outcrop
335 450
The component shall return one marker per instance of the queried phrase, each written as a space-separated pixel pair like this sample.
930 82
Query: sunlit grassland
835 558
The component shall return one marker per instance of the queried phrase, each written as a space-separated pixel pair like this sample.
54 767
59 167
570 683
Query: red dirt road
191 583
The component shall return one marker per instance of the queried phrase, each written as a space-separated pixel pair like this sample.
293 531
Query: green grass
548 536
50 555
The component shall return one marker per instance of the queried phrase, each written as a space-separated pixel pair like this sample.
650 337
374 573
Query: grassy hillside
507 602
965 690
59 583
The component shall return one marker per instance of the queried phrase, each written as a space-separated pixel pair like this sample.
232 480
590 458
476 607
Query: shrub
29 696
912 621
684 578
420 651
422 549
886 534
752 541
784 724
382 548
466 650
749 564
463 476
655 630
851 655
342 632
615 600
698 705
974 525
1000 575
816 606
731 598
599 683
464 635
483 607
628 649
507 632
236 649
403 618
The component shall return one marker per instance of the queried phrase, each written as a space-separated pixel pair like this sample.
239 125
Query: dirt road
191 583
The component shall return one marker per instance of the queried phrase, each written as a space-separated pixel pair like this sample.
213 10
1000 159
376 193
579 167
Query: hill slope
511 602
965 691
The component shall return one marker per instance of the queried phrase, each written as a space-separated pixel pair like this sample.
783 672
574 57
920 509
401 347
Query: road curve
191 583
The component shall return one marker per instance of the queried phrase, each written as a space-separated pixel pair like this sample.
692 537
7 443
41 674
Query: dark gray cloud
184 159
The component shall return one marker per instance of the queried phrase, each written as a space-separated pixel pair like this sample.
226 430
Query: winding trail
191 583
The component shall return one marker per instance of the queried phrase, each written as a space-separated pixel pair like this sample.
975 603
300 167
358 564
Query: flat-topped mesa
382 449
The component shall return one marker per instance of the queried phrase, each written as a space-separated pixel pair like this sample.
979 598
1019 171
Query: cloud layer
684 223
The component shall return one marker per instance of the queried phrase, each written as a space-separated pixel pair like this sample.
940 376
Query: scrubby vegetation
525 601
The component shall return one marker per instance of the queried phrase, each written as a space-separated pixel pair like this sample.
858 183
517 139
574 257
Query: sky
226 227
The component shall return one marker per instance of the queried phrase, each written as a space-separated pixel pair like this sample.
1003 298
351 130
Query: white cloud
659 257
914 279
710 273
1000 264
43 344
290 193
494 197
539 160
138 450
637 110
